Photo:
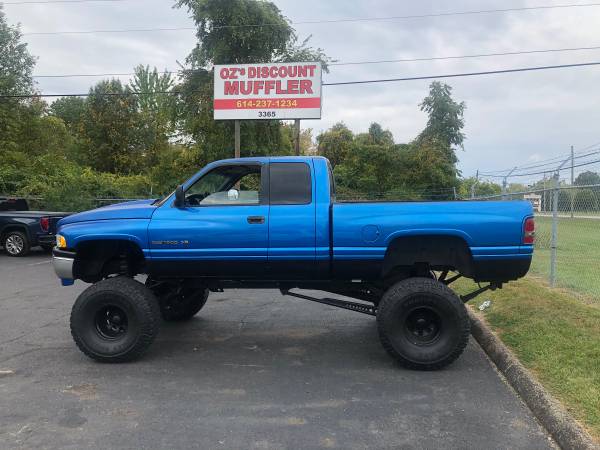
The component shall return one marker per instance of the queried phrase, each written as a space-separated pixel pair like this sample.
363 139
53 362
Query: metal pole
454 190
554 231
475 184
544 204
572 180
504 183
237 138
297 136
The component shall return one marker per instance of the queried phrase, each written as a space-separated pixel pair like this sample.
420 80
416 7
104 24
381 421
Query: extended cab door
222 231
291 220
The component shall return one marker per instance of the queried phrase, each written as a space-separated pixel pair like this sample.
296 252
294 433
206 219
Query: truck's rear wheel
115 320
178 301
422 324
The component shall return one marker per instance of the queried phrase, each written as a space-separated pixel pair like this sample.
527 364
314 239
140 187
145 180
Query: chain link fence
567 244
567 248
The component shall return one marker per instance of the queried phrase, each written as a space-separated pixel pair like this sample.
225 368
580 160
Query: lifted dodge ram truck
275 223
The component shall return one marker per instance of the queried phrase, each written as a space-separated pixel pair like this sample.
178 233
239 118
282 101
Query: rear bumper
46 239
503 270
63 261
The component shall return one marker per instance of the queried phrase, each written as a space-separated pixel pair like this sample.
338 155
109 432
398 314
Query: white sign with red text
268 91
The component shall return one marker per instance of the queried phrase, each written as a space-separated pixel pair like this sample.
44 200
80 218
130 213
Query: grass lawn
556 336
578 254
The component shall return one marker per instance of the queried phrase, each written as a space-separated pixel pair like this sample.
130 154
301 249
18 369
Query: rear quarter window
290 184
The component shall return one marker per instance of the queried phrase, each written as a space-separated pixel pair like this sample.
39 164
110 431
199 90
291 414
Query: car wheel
16 243
178 301
422 324
115 320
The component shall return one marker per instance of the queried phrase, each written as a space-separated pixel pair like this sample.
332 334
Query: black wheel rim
422 326
111 322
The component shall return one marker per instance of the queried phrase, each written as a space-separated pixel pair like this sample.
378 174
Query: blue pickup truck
275 223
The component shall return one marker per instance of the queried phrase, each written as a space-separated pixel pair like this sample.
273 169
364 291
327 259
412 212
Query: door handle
256 219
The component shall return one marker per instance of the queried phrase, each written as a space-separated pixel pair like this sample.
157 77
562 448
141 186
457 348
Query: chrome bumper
63 267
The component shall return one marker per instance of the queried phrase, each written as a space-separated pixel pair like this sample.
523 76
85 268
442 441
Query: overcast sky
511 119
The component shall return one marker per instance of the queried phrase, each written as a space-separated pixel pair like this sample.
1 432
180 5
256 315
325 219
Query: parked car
20 230
275 222
13 204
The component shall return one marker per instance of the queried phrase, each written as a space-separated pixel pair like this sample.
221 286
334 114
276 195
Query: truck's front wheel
423 324
115 320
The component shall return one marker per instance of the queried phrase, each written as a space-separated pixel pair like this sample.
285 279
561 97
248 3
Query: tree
111 130
157 108
219 43
445 122
69 109
376 136
478 187
429 171
336 143
587 178
16 66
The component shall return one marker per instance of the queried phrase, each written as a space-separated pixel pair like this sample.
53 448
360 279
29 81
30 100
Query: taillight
45 223
529 231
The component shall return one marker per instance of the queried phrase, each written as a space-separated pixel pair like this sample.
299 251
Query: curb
567 433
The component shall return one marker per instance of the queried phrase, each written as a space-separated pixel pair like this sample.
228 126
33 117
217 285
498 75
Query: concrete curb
553 416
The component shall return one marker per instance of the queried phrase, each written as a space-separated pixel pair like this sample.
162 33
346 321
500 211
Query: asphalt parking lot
254 370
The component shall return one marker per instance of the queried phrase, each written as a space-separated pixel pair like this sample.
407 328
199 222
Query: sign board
268 91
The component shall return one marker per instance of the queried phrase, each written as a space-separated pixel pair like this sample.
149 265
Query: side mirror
179 197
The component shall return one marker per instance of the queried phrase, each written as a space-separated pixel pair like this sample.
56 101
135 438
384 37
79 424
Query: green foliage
478 188
336 143
587 178
219 43
446 120
16 64
70 110
110 131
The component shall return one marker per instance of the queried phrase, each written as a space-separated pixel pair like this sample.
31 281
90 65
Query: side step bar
344 304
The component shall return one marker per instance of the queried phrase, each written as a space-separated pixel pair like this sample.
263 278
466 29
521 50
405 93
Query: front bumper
63 260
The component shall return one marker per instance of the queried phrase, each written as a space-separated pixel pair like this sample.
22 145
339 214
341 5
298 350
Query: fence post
554 230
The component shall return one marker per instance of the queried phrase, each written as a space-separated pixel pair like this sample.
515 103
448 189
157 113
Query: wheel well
7 229
96 260
419 255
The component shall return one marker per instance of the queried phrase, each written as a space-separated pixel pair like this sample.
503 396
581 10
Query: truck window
227 185
290 184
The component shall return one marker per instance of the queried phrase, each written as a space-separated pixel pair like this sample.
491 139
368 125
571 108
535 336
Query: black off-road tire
178 302
423 324
91 320
16 243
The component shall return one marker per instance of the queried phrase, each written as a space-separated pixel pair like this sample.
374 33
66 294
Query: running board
352 306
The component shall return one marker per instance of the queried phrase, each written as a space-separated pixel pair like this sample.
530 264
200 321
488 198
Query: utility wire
343 83
544 162
477 55
466 74
171 72
329 21
40 2
546 171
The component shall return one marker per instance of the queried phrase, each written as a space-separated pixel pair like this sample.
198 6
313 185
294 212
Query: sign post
271 91
237 138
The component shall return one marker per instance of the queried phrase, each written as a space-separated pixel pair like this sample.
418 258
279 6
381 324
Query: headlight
61 242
